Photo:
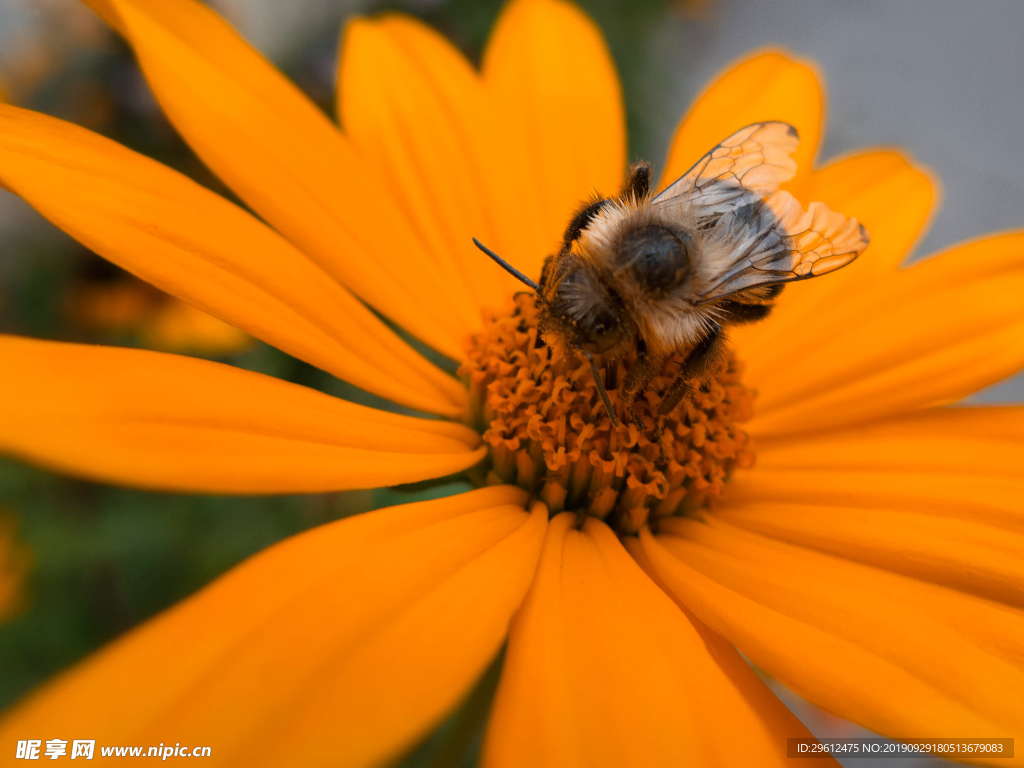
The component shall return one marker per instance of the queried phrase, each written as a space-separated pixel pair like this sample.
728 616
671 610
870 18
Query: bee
658 275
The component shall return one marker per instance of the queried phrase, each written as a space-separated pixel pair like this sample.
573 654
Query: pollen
547 430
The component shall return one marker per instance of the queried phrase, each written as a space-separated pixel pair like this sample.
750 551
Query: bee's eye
657 257
603 331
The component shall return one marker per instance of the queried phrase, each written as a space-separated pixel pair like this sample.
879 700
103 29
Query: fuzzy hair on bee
664 274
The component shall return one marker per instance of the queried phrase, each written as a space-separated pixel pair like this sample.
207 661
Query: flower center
548 431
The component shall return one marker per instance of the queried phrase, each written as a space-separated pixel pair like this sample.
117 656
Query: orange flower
872 560
129 307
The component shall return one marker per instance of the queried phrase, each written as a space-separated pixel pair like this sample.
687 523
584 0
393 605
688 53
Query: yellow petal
338 647
929 334
980 441
971 557
413 105
953 493
996 628
939 496
766 86
894 199
286 160
833 630
193 244
163 421
601 669
548 67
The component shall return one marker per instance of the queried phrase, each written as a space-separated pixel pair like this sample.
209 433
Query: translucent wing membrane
819 240
777 241
751 232
753 161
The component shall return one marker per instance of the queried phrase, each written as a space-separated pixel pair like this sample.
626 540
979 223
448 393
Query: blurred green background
103 559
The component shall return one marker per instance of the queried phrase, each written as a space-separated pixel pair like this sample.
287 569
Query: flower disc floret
547 430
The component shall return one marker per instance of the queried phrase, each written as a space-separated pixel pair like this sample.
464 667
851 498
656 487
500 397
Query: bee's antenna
524 279
600 387
506 266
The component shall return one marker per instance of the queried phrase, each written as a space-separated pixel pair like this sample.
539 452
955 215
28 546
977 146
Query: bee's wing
754 233
749 164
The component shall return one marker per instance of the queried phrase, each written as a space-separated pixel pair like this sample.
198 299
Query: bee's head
578 308
582 309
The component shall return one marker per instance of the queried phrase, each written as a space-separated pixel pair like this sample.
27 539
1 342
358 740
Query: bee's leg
598 381
581 220
638 182
674 394
640 373
696 363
